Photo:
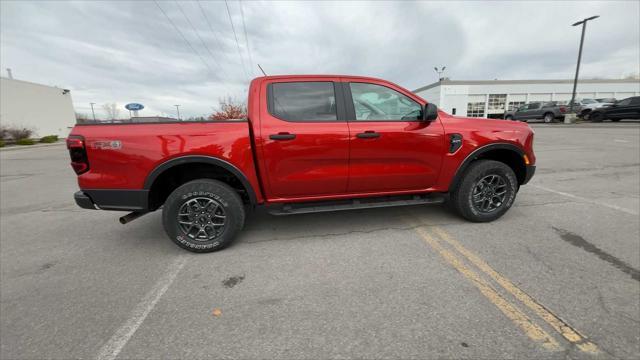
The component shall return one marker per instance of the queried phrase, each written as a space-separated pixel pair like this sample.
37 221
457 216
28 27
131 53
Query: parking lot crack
610 312
346 233
538 258
547 203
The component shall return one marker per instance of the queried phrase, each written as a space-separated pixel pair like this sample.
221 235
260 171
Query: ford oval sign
134 107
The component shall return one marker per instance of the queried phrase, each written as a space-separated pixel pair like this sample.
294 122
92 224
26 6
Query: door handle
282 136
368 135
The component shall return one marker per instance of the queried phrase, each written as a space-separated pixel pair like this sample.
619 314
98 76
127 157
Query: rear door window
303 101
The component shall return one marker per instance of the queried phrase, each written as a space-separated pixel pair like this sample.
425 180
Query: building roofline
500 82
32 83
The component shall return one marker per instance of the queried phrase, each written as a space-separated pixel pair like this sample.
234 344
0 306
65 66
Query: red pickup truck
309 144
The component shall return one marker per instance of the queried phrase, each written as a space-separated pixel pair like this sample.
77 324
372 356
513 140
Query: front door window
377 102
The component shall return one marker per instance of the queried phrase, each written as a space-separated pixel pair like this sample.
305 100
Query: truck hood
484 123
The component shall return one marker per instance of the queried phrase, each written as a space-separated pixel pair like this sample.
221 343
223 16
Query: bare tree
111 110
229 109
82 118
19 132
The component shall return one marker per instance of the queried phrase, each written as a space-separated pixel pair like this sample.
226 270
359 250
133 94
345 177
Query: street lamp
440 72
178 108
93 112
575 81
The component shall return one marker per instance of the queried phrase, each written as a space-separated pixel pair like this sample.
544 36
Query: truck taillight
563 109
78 154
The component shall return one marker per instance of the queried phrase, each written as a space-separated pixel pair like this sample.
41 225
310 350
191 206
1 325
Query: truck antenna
265 74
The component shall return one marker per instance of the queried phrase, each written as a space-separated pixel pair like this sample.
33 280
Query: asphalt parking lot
557 277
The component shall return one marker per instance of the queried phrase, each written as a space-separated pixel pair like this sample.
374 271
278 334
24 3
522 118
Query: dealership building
47 110
491 98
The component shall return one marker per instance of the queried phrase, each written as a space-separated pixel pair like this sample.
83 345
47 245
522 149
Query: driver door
391 149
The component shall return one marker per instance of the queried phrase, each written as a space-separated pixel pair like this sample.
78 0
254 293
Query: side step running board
353 204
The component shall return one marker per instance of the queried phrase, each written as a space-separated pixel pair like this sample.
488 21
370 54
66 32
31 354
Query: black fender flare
476 153
153 175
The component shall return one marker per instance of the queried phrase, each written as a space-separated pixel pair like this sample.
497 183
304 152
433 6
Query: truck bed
123 155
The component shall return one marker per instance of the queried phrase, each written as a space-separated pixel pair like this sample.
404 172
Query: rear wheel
203 215
508 117
548 117
485 193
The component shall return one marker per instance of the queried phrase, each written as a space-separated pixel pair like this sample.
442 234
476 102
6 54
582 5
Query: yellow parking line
532 330
568 332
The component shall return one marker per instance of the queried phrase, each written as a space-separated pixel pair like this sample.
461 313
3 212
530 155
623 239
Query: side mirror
430 112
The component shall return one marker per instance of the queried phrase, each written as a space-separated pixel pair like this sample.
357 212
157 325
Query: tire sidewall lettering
207 194
181 239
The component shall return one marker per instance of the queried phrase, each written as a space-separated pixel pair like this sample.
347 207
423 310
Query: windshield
589 101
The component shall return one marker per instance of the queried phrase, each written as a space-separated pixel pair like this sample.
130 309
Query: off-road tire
461 196
203 191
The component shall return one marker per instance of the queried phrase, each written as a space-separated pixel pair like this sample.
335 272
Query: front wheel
486 191
203 215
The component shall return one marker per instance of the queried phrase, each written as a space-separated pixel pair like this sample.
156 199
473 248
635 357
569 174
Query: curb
24 147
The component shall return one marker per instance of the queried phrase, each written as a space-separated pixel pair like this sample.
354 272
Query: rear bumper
123 200
83 200
529 171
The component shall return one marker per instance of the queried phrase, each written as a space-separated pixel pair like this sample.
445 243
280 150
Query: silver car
588 105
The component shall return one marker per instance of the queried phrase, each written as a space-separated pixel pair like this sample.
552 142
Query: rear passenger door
303 141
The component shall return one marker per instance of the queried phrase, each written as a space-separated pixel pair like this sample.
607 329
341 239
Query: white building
45 109
491 98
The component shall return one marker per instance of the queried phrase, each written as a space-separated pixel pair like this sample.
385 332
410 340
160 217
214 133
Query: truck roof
327 76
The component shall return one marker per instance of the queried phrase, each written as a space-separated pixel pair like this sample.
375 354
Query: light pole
93 112
440 72
178 109
575 81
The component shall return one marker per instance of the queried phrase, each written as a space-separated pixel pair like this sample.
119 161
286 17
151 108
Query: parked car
584 107
309 144
628 108
548 111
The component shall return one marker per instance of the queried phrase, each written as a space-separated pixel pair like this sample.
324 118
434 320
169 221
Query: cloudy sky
130 51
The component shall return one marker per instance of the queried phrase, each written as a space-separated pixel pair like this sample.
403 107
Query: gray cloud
127 51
